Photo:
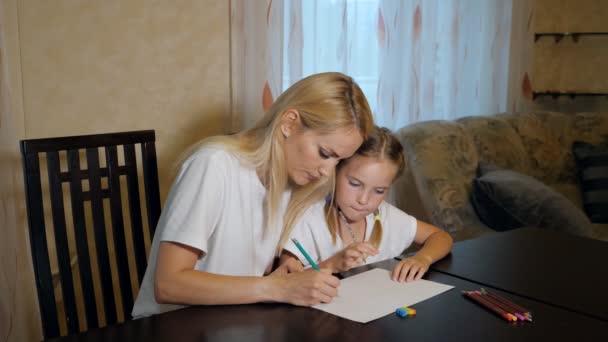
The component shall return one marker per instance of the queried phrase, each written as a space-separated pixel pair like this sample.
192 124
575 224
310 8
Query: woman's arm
177 282
436 244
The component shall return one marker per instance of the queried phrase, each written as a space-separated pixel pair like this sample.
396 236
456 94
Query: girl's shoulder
385 208
313 219
389 211
313 216
316 209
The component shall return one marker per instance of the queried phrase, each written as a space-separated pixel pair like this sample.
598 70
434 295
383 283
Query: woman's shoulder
210 161
211 155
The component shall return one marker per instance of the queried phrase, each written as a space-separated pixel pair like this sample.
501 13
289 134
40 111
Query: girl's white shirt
312 231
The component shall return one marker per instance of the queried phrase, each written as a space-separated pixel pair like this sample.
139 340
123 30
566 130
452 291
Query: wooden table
446 317
558 269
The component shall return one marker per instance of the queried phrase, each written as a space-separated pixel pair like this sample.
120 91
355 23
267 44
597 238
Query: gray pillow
506 199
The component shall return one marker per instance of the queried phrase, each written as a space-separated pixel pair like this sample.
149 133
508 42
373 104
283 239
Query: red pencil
506 310
483 302
509 303
503 306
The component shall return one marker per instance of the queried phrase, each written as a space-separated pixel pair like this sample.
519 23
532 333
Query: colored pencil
503 306
494 295
483 302
525 312
509 314
303 251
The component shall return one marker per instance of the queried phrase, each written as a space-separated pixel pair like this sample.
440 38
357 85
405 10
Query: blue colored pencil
310 261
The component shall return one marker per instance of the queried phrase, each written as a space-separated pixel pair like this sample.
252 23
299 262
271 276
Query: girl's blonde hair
326 102
380 144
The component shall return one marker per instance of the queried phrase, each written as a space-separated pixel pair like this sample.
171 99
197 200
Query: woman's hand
412 268
351 256
305 288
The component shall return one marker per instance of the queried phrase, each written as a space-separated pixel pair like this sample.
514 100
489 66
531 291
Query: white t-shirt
215 205
398 232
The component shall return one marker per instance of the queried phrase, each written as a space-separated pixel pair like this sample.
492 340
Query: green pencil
312 263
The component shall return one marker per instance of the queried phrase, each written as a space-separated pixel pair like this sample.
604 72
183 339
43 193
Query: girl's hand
289 265
412 268
305 288
351 256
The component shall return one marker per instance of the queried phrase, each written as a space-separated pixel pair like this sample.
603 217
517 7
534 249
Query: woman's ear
290 122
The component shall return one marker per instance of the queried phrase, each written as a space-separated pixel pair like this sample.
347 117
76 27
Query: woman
237 197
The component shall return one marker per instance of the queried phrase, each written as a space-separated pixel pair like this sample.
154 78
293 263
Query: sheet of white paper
370 295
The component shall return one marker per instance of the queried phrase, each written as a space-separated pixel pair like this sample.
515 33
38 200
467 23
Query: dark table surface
446 317
562 270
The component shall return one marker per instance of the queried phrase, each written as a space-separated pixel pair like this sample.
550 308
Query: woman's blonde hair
382 145
326 102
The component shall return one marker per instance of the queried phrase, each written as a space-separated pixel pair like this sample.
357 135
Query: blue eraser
401 312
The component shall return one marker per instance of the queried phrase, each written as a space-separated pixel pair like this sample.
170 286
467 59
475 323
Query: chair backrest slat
99 228
90 228
61 242
135 209
148 153
80 234
38 243
118 227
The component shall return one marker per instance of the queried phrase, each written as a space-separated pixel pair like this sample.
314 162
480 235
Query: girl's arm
351 256
177 282
436 244
289 263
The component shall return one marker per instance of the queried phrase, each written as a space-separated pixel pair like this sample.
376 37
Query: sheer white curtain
415 60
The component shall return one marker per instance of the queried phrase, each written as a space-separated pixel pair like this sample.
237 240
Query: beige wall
18 305
521 55
73 67
571 66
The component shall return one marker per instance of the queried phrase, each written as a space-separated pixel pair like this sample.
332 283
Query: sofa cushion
592 163
497 142
445 161
506 199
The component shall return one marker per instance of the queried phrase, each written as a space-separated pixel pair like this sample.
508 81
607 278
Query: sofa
443 159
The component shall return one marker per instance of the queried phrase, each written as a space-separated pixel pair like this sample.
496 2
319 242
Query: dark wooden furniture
562 270
93 184
446 317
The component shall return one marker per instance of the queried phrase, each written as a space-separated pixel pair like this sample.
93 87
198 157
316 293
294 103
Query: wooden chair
96 176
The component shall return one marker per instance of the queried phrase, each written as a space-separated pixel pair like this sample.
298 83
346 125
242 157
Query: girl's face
362 184
310 155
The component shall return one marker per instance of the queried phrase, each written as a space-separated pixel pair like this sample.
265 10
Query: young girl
358 227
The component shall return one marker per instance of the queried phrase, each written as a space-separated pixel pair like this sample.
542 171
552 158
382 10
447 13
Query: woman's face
310 155
362 184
